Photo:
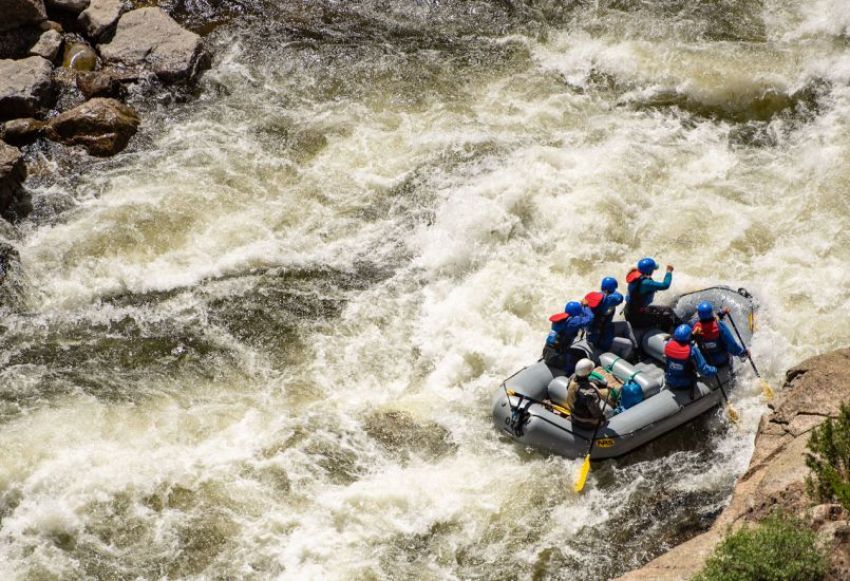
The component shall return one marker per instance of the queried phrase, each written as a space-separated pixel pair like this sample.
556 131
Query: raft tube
519 410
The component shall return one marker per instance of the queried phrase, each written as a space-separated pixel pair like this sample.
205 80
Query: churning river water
262 343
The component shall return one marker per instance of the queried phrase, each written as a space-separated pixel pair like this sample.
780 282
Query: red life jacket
600 319
593 299
709 339
679 372
636 300
675 350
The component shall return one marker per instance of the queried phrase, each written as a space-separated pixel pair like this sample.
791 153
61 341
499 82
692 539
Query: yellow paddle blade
733 414
766 390
582 475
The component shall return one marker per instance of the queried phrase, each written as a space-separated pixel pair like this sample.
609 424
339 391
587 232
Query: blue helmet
682 333
573 308
609 284
646 265
705 311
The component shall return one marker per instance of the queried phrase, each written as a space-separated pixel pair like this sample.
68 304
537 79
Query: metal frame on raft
520 409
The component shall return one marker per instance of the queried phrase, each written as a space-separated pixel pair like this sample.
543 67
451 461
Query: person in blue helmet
684 360
714 338
640 311
566 326
604 333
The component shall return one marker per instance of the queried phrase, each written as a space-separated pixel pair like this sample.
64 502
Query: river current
262 342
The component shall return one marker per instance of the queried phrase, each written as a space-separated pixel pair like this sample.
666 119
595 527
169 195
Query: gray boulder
25 86
102 126
48 45
22 131
149 37
13 172
101 16
19 12
68 6
103 83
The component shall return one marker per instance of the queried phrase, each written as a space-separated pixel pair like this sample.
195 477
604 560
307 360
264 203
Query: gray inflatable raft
525 417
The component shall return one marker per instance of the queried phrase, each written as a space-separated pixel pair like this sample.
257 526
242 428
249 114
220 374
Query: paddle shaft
749 355
599 425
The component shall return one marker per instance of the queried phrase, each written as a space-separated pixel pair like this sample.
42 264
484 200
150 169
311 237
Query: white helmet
584 367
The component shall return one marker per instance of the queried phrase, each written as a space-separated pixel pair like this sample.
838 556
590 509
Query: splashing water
263 343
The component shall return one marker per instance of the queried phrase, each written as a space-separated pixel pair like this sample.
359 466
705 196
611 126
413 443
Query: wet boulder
22 131
26 85
68 6
48 45
149 37
104 83
101 16
79 56
13 172
21 12
102 126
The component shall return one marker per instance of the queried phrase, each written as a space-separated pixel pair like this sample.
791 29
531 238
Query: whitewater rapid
262 342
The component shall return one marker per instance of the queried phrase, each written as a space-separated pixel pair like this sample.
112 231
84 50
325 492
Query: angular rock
13 172
96 84
813 391
22 131
101 16
19 12
148 36
16 43
50 25
80 57
68 6
25 86
102 126
48 45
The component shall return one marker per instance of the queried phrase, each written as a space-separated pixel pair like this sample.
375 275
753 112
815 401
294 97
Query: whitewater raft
521 409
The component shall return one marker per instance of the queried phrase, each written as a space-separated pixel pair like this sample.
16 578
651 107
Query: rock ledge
813 391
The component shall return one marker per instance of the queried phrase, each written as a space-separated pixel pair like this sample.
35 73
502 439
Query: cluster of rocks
65 66
814 390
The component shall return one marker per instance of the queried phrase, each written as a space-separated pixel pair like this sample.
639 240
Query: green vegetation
780 548
829 460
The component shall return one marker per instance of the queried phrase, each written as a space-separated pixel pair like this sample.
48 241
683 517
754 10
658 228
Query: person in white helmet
585 396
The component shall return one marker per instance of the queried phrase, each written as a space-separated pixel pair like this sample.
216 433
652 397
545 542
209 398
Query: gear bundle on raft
521 411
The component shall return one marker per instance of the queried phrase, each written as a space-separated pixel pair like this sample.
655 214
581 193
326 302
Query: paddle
765 386
730 411
585 467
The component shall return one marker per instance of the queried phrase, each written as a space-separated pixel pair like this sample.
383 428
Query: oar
730 411
765 386
585 467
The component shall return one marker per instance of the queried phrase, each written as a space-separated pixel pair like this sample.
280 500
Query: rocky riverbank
66 68
776 476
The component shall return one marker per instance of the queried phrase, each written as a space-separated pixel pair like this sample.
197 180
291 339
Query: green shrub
780 548
829 460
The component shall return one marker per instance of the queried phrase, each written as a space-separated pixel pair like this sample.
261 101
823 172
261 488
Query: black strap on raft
519 415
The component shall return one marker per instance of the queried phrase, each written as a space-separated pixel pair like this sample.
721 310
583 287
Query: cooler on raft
520 412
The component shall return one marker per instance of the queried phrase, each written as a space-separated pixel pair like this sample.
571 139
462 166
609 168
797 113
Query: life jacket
601 319
710 343
559 338
587 401
679 370
637 301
